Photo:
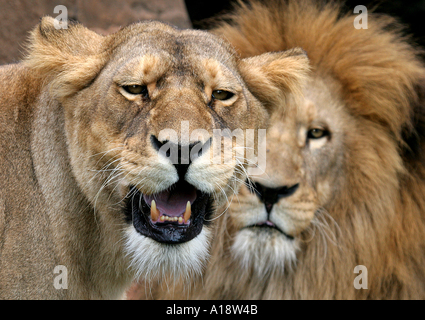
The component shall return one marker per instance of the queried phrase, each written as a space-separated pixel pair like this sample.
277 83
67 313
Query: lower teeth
171 219
155 213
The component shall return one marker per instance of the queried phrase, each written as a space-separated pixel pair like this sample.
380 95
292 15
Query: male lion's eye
221 95
136 89
317 133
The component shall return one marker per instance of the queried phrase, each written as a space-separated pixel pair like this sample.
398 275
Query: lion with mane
344 184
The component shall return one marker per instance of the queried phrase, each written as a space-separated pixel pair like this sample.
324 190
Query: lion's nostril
269 196
197 149
287 191
156 143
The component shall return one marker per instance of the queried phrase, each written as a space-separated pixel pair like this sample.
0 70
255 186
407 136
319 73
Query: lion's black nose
181 156
269 196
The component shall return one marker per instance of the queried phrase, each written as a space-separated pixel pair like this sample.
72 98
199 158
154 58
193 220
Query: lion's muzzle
175 214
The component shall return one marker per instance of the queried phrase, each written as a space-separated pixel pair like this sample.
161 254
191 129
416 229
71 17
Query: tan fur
72 140
361 199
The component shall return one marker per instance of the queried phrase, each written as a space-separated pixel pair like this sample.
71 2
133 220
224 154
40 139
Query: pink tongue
172 203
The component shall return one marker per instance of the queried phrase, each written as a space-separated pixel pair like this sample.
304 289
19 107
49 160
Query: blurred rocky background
17 17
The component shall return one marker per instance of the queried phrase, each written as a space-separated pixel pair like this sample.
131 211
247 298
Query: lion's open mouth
172 216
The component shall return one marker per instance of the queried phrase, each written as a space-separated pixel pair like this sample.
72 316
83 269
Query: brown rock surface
17 17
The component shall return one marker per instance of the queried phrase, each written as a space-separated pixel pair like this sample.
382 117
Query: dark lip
138 213
268 225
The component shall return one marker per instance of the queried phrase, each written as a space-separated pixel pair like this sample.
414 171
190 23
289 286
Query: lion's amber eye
221 95
317 133
136 89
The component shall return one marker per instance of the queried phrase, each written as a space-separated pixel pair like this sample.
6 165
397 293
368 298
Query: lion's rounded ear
272 76
68 58
75 39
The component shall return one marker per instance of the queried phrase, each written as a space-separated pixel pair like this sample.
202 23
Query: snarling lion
90 196
344 184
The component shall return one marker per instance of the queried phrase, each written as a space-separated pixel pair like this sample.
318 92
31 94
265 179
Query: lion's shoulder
18 87
18 91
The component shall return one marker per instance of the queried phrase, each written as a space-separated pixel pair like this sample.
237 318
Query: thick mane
378 68
413 149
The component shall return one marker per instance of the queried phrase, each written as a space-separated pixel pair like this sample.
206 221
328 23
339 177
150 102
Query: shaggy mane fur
379 216
378 67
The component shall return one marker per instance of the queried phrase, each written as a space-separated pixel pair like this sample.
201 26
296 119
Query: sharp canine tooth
188 212
154 211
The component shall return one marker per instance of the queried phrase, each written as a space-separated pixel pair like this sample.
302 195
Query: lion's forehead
181 46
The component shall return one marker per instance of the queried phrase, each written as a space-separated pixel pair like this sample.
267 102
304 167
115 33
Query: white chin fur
264 253
150 259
